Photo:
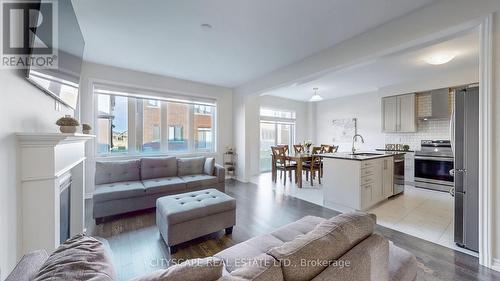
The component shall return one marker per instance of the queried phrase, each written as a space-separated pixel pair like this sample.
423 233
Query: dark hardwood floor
138 248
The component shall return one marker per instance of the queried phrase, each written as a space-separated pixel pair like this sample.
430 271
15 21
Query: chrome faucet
354 139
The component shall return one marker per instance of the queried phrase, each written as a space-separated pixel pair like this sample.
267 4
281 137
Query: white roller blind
150 94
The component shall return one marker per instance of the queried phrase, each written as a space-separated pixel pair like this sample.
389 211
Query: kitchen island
356 182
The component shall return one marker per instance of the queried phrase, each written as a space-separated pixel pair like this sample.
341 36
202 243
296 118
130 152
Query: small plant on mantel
67 124
86 128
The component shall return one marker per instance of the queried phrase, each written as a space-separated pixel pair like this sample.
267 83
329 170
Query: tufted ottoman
183 217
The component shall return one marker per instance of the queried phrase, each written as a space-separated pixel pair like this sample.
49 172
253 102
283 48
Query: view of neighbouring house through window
130 125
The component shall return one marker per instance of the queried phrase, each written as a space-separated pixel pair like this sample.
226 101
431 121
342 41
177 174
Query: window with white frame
276 127
128 123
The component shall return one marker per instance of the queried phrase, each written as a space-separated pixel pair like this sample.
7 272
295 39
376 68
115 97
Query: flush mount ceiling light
316 97
206 26
440 58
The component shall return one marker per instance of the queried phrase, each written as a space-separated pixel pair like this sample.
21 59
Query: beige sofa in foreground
343 248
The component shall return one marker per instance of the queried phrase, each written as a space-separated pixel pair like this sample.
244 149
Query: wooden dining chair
315 165
282 164
285 146
298 148
326 148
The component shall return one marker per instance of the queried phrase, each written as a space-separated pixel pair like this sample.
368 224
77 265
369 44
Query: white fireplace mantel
46 159
51 138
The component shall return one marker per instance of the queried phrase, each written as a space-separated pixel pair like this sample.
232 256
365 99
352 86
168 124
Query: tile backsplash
426 130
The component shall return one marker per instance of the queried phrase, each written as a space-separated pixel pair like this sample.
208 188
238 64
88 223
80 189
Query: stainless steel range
433 164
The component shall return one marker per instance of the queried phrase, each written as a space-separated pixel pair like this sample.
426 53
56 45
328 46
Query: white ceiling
249 37
392 70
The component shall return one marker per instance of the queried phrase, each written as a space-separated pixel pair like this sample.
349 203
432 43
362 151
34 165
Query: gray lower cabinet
399 114
388 176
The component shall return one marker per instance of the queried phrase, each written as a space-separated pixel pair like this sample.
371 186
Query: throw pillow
79 258
209 166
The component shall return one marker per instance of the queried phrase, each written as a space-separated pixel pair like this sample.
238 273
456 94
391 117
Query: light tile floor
422 213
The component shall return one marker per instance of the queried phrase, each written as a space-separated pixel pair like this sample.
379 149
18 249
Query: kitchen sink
366 154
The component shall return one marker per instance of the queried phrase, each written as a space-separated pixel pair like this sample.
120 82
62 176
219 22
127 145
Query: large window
130 124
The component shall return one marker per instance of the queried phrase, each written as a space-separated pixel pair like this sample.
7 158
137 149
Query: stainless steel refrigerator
465 144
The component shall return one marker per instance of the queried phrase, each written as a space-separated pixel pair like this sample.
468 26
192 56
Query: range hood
439 105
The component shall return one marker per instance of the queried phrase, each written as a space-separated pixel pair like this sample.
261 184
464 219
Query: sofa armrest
220 173
28 266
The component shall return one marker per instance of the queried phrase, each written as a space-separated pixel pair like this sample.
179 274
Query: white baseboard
496 264
242 180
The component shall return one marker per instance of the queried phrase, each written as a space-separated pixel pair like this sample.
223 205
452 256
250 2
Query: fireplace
65 207
52 188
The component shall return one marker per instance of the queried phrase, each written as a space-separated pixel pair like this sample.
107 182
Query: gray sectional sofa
132 185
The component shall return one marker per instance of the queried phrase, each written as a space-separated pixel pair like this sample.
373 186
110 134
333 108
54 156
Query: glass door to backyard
275 130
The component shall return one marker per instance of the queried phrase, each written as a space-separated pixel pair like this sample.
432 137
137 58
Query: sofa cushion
326 242
118 190
290 231
197 181
260 268
402 264
209 166
247 250
164 185
79 258
207 269
367 260
117 171
190 166
193 205
153 168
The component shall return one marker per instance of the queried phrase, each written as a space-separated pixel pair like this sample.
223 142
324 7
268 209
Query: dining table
298 158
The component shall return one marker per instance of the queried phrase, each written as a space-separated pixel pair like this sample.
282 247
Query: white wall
495 107
367 108
24 108
93 72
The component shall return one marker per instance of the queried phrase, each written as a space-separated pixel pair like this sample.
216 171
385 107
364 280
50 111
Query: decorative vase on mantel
86 129
67 124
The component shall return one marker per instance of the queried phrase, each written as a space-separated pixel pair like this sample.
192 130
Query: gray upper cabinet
390 114
399 114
